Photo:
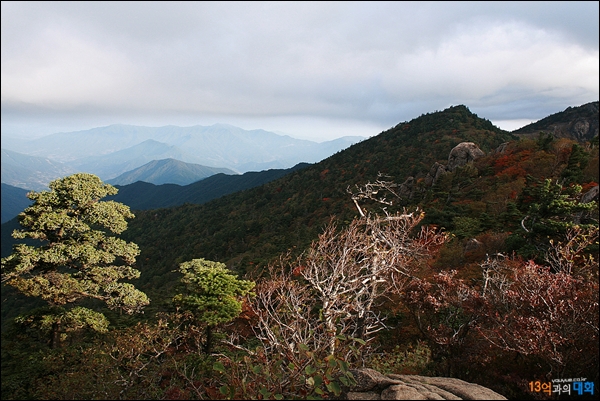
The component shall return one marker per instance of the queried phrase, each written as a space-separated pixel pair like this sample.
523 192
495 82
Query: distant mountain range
112 151
168 171
219 145
114 160
31 172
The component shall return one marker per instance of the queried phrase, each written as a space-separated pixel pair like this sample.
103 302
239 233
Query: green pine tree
211 293
549 210
578 161
77 257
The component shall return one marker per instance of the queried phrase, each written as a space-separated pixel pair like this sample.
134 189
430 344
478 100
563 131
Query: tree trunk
209 340
55 339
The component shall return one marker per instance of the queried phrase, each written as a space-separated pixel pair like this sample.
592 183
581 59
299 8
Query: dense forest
382 255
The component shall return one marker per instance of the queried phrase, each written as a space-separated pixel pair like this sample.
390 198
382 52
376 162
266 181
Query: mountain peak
579 123
168 171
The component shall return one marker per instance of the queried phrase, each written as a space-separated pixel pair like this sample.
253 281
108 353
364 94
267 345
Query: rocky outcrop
406 190
434 173
462 154
501 148
372 385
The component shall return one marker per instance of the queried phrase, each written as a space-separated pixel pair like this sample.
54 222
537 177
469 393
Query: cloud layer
313 69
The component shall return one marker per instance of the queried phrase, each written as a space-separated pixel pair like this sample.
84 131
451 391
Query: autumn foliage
489 275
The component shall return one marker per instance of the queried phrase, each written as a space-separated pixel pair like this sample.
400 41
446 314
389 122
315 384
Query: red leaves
545 314
297 272
549 318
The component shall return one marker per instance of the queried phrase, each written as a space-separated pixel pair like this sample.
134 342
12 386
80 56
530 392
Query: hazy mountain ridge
152 148
168 171
144 196
31 172
219 145
122 161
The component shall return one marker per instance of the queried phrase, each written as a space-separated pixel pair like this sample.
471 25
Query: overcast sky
313 70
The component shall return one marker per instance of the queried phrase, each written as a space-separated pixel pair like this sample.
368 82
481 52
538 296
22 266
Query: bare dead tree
377 191
333 289
495 273
570 257
284 318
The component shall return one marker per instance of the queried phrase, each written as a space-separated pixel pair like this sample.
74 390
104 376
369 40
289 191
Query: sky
311 70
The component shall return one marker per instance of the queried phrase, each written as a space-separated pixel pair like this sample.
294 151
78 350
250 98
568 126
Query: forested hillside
142 195
250 228
488 272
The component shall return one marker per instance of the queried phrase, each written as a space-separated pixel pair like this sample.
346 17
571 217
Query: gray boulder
590 195
373 385
435 172
462 154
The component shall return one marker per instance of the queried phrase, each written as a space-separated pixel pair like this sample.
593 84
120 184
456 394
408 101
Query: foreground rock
372 385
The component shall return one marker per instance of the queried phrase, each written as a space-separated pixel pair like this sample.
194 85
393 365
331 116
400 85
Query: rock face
372 385
462 154
406 190
434 174
501 148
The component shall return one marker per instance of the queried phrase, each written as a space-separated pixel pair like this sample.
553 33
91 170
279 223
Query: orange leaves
510 165
297 272
517 163
587 186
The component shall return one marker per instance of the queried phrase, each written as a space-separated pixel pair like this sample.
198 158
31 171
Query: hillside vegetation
252 227
494 278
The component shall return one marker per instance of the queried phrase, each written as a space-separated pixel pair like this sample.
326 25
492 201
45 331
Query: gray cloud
367 65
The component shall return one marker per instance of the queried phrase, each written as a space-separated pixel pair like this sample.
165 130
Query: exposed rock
372 385
369 379
590 195
403 392
369 395
580 129
501 148
462 154
406 190
434 174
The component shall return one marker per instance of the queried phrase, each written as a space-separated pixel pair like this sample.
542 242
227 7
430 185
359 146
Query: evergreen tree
545 140
549 210
76 258
578 161
212 294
